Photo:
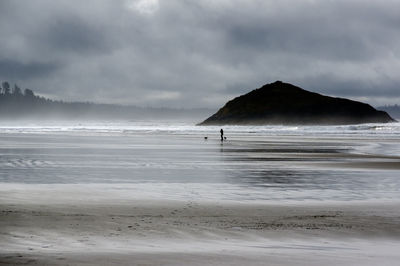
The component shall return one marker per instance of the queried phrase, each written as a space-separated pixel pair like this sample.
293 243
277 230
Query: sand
99 228
228 218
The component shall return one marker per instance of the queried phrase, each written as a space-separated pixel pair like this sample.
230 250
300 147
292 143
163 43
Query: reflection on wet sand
164 199
317 167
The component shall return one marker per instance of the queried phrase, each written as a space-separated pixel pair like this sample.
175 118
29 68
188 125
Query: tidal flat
145 195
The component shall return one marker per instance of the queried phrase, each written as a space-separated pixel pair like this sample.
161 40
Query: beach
189 233
197 133
90 197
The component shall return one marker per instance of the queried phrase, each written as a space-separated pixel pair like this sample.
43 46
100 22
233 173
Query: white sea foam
132 127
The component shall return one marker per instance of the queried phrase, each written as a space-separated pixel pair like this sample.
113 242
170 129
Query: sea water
179 160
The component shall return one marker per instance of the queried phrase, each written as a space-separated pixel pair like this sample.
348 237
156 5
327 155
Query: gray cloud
200 53
74 35
19 71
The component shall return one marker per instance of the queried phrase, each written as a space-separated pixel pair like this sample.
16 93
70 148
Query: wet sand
257 202
100 231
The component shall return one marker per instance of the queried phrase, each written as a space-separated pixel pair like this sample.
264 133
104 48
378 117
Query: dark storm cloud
200 53
14 70
74 35
328 30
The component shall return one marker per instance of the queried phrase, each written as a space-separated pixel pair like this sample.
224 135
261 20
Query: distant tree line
18 104
6 90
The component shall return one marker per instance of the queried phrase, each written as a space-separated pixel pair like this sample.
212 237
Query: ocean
173 160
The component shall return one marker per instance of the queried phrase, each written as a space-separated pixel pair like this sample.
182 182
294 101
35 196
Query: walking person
222 134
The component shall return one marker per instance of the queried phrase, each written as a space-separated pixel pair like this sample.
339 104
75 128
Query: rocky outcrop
284 103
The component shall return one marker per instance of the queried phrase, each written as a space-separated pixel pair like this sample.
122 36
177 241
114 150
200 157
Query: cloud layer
200 53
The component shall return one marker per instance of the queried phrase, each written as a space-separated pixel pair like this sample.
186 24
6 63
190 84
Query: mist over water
173 160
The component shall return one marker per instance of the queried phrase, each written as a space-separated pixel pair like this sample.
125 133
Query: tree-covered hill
284 103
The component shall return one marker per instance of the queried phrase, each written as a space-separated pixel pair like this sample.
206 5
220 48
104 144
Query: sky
200 53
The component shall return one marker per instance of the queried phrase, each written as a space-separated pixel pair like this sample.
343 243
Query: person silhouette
222 134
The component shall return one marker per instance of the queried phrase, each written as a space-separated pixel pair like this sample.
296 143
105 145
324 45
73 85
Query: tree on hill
29 93
6 87
17 90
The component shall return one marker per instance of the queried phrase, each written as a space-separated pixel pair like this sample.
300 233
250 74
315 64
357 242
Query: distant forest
18 104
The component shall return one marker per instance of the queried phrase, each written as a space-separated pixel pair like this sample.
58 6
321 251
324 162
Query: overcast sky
193 53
